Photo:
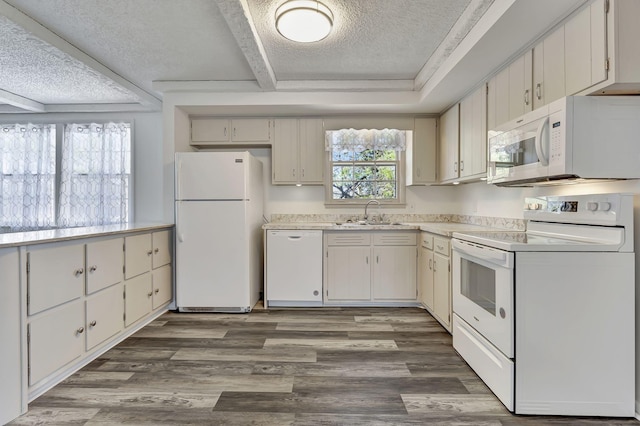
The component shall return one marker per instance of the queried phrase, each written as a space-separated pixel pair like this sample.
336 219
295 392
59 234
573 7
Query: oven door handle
487 254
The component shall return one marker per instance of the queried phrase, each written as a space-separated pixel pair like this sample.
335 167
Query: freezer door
212 256
211 175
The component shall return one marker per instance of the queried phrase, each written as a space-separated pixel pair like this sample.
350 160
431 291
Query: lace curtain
27 176
95 174
363 139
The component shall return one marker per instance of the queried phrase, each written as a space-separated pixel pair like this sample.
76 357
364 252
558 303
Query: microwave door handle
544 160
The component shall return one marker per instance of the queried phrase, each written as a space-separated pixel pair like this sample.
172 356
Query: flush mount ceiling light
304 21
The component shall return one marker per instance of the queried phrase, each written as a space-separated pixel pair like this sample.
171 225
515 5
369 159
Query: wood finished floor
327 366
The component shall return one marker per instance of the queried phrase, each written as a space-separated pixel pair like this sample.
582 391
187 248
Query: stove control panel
597 209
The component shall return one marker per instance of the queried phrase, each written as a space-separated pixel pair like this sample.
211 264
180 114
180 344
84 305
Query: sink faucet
367 206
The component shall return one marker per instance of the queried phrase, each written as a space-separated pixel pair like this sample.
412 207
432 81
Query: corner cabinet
434 277
421 152
84 296
298 151
370 268
226 132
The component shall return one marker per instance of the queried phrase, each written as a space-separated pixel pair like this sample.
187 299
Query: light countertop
440 228
64 234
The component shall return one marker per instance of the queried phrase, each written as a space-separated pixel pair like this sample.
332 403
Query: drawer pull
93 323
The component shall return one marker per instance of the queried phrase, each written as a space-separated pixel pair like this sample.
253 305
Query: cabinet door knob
80 330
93 268
156 250
93 323
157 290
150 294
78 271
149 253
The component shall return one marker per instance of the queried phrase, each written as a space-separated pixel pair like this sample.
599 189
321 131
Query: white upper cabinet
549 69
449 140
226 131
473 134
421 152
298 151
520 97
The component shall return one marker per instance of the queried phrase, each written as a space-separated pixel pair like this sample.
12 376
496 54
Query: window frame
59 126
399 201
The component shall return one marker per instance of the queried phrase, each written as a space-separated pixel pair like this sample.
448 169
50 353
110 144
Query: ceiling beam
345 85
470 16
238 17
20 102
58 42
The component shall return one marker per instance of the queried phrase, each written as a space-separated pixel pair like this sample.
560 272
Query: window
64 175
365 165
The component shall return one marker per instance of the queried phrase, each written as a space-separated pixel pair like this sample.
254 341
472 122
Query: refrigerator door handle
180 234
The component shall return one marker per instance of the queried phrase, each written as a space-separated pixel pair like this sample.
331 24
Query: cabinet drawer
394 238
441 245
348 239
426 240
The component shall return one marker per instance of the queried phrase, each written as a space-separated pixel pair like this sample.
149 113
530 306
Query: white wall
148 151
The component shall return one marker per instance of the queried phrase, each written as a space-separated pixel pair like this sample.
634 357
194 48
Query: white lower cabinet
138 298
103 315
162 286
55 339
435 277
79 302
348 274
370 267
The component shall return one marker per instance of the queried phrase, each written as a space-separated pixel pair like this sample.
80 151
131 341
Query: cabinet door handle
367 258
93 323
377 259
78 271
461 165
225 131
157 290
149 253
302 172
526 97
455 167
434 265
293 172
156 250
234 132
80 330
430 263
150 294
538 91
93 268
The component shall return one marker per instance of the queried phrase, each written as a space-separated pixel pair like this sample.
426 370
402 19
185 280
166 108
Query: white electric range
547 317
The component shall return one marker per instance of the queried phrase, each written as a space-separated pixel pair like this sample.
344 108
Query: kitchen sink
362 223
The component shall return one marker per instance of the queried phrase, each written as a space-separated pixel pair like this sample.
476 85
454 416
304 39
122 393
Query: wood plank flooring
324 366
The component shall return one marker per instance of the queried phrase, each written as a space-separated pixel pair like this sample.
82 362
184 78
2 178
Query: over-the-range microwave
576 137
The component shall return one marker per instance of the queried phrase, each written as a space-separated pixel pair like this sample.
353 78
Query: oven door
483 292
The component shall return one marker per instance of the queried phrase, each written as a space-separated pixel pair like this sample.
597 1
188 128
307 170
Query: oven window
479 285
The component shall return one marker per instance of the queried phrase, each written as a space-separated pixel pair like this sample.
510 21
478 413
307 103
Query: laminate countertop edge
16 239
440 228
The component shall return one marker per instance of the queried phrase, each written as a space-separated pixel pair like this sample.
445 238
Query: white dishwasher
293 268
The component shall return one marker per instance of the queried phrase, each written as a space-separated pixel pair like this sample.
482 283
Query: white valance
363 139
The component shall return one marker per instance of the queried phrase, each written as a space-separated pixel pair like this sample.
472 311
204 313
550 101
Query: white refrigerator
219 215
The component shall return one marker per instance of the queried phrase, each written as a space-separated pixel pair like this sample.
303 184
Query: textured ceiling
383 55
371 39
41 72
